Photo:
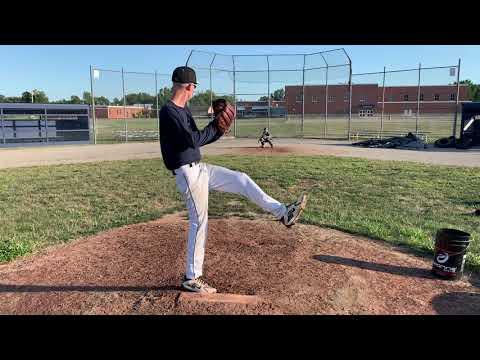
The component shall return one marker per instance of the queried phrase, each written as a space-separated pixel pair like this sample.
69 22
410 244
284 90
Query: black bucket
450 252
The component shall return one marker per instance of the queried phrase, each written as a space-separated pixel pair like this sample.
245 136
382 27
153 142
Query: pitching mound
259 267
295 149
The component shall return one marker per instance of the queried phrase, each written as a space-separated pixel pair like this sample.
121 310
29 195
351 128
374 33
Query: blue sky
63 70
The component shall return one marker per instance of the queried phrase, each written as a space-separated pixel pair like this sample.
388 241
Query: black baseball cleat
294 210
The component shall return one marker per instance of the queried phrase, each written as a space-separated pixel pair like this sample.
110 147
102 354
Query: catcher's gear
265 137
224 114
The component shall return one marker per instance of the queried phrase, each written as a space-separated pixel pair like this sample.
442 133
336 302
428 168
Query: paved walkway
64 154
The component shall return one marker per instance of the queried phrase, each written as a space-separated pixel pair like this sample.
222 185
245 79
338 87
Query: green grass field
109 131
398 202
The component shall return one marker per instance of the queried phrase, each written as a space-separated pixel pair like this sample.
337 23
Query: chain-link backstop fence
291 94
295 95
423 101
125 104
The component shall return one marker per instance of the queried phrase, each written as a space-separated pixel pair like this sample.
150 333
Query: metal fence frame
418 101
122 71
326 66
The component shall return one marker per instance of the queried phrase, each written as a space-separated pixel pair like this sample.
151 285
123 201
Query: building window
331 98
299 97
405 97
436 97
421 97
452 97
345 98
315 99
390 98
363 99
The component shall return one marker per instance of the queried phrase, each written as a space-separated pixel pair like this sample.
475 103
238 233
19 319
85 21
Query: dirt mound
137 269
295 149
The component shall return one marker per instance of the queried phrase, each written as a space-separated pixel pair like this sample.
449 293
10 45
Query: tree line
199 99
473 89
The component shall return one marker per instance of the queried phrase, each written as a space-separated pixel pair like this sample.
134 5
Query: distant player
265 138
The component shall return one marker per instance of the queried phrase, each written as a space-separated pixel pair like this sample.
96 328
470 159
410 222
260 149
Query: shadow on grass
397 246
7 288
472 203
457 303
390 269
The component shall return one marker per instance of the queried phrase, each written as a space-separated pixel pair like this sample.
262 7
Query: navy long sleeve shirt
180 139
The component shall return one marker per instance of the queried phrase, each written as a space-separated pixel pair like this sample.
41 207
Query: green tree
101 100
61 101
13 99
473 89
163 96
278 95
140 98
74 99
27 97
202 98
87 97
39 97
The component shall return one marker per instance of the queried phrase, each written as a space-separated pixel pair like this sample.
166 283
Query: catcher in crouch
180 140
265 137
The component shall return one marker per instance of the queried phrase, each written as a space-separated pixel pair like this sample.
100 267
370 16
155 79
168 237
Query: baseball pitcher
180 142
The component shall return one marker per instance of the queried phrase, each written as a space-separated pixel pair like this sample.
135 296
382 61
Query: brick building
118 112
367 99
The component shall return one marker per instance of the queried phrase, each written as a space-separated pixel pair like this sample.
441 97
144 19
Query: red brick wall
371 94
116 112
101 112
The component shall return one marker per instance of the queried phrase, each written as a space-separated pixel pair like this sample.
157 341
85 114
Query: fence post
234 98
383 104
158 110
454 132
93 107
189 55
46 124
211 85
350 103
3 125
268 93
211 95
303 96
326 104
418 98
124 107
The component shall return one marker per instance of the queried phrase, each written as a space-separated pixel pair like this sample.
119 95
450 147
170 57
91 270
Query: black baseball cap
184 75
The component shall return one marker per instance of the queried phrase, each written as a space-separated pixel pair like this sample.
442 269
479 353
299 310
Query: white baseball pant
194 183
